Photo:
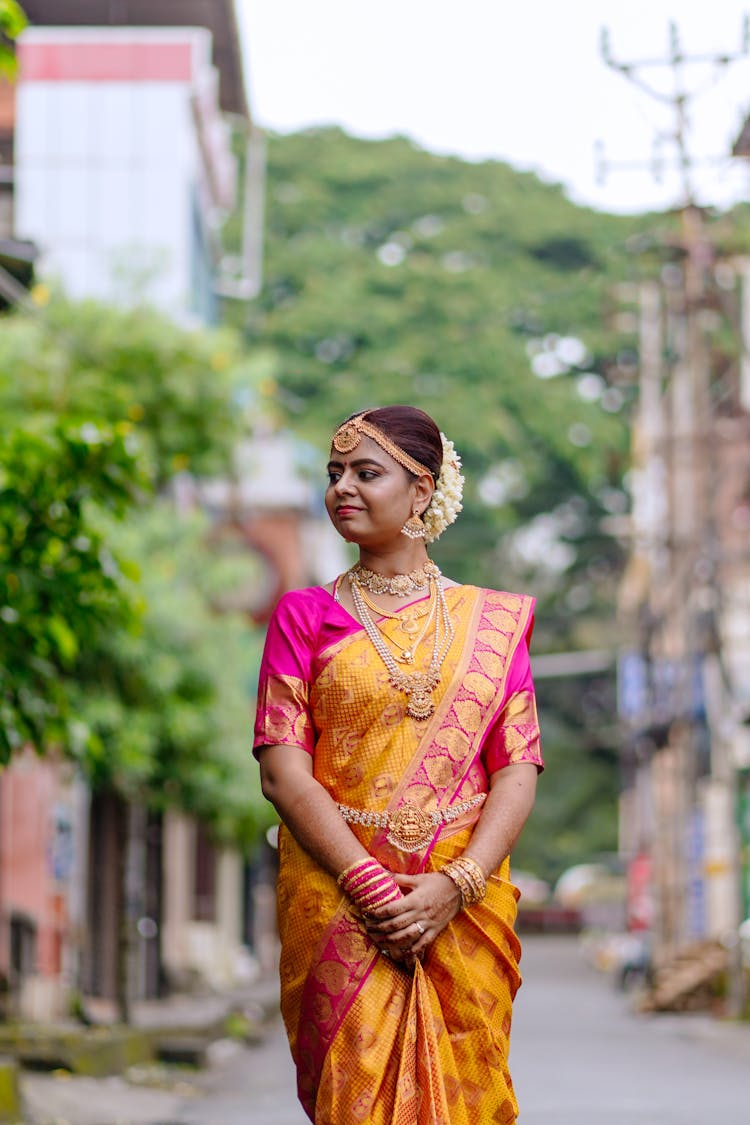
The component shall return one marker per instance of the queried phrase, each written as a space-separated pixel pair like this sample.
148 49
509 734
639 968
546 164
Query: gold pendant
409 625
420 705
410 829
406 656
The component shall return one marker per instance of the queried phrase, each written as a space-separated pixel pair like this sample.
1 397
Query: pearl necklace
417 686
400 585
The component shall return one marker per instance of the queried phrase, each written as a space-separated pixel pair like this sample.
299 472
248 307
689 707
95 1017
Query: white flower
446 499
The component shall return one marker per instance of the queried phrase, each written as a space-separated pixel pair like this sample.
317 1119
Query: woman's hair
413 431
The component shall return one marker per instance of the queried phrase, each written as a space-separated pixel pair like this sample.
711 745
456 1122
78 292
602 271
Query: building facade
124 170
124 144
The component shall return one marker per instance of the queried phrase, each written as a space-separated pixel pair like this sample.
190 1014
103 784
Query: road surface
579 1056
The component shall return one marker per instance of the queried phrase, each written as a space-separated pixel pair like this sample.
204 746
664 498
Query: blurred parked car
598 890
538 912
575 884
532 888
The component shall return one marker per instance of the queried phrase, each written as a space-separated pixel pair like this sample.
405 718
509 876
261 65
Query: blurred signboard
654 691
695 899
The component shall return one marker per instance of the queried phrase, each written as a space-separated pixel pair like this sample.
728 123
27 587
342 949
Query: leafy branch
12 23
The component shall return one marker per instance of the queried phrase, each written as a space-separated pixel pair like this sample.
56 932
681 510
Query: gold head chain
349 435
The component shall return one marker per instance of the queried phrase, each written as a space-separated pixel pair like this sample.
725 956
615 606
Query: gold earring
414 527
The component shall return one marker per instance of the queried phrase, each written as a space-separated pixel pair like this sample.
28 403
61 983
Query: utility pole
675 440
679 101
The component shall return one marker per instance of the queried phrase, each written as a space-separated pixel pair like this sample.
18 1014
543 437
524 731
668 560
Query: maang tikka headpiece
349 434
446 499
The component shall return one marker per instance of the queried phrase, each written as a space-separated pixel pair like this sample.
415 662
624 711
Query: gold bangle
471 867
458 879
475 876
468 877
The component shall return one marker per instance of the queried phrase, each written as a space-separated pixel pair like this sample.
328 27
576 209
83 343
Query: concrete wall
193 950
42 819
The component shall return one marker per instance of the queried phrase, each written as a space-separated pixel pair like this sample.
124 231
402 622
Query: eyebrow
354 464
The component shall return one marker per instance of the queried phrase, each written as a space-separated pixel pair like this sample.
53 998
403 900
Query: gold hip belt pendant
410 828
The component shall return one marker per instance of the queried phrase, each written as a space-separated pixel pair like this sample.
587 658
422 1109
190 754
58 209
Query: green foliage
575 816
395 275
170 703
98 406
12 22
110 646
60 584
132 368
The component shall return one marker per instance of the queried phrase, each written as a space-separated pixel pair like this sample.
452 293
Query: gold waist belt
409 827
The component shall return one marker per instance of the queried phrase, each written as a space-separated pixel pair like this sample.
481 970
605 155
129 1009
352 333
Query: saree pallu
371 1040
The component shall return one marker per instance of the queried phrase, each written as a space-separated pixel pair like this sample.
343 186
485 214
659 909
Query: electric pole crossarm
679 100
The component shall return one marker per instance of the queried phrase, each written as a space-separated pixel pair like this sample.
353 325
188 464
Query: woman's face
370 496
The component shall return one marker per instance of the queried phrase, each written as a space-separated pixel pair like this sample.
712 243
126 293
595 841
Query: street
579 1057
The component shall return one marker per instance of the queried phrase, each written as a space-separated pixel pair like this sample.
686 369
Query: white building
124 170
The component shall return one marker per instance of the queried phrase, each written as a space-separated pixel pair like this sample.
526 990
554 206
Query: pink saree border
447 727
344 960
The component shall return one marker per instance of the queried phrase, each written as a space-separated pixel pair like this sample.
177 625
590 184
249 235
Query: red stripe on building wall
106 62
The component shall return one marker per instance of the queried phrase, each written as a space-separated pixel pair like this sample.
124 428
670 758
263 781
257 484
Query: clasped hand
404 929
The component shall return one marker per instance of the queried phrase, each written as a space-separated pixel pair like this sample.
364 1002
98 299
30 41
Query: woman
398 740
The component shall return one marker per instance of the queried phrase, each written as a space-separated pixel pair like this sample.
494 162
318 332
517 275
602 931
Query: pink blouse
303 627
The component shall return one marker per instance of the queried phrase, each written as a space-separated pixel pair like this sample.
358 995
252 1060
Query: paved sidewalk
258 1088
158 1094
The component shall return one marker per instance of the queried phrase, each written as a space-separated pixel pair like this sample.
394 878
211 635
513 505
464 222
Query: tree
101 408
12 22
60 584
169 390
170 704
480 293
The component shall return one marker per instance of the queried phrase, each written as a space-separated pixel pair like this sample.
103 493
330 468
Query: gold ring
420 927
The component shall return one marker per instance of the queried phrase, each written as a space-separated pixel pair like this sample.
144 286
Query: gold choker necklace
401 585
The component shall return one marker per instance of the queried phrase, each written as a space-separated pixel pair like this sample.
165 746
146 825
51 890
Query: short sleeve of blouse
514 733
283 716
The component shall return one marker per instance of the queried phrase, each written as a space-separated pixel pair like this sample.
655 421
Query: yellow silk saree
371 1040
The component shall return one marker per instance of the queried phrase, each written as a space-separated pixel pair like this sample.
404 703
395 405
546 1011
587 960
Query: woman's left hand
404 929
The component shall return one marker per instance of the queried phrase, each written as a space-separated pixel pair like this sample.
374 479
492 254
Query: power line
679 100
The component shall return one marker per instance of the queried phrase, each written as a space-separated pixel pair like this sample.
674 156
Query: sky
523 82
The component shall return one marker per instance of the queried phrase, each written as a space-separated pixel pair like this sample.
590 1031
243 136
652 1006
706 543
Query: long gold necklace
417 686
410 625
400 585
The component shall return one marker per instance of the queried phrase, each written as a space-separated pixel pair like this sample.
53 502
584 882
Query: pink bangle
388 894
362 881
368 884
357 869
382 892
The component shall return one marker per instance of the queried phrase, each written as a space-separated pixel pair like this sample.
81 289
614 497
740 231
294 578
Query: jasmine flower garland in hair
446 499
